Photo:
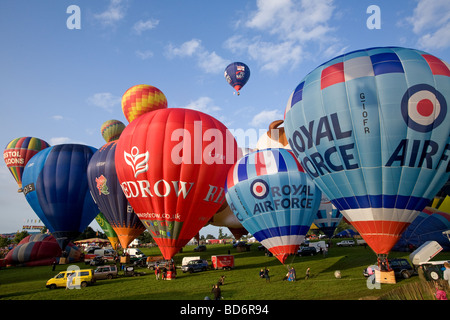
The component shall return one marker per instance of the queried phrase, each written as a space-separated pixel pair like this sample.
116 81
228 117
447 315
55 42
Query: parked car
105 272
307 251
195 265
82 278
97 261
346 243
200 248
402 268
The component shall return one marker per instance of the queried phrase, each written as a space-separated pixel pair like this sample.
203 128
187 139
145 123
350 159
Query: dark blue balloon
108 195
56 187
237 75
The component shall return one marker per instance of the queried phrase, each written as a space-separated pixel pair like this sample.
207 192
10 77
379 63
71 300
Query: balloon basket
62 260
385 276
125 259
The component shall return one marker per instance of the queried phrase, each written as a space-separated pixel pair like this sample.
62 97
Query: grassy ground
242 283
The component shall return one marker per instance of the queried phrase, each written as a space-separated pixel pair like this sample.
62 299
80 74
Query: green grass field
242 283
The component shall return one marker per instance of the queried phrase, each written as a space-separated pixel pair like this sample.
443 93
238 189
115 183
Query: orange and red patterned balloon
141 99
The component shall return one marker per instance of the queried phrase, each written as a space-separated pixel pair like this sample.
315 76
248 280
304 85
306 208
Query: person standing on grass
157 272
447 272
307 274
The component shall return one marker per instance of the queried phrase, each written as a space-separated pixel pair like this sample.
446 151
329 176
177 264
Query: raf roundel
423 107
259 189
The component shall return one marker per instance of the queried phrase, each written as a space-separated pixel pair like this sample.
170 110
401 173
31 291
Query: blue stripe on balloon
281 231
387 62
298 93
381 201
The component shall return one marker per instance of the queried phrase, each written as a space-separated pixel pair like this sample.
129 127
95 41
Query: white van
135 252
186 260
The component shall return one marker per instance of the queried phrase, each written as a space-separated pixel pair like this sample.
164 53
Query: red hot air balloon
172 165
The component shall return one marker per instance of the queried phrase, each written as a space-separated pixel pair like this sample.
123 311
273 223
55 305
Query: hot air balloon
172 165
141 99
108 230
111 130
429 225
327 217
371 127
18 152
274 199
107 193
56 187
237 75
40 250
275 137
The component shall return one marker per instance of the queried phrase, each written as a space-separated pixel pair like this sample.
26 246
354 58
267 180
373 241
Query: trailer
425 252
222 262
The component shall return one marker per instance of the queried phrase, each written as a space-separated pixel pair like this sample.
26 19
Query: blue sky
61 84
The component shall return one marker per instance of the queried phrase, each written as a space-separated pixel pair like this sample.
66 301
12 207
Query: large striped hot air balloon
140 99
274 199
18 152
372 128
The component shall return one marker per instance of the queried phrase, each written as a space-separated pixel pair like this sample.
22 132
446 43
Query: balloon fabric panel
369 128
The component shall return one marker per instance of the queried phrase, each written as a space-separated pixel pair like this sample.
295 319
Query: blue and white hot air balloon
273 198
371 127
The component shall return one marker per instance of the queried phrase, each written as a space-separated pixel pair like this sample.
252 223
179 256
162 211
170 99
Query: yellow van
81 278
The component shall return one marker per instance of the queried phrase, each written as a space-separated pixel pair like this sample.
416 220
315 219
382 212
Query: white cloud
59 140
209 62
114 13
144 55
431 22
104 100
203 104
283 28
265 117
187 49
142 26
57 117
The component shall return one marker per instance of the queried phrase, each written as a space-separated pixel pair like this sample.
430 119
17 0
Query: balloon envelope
108 230
371 128
273 198
237 75
56 187
141 99
40 250
172 165
107 193
111 130
18 152
427 226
